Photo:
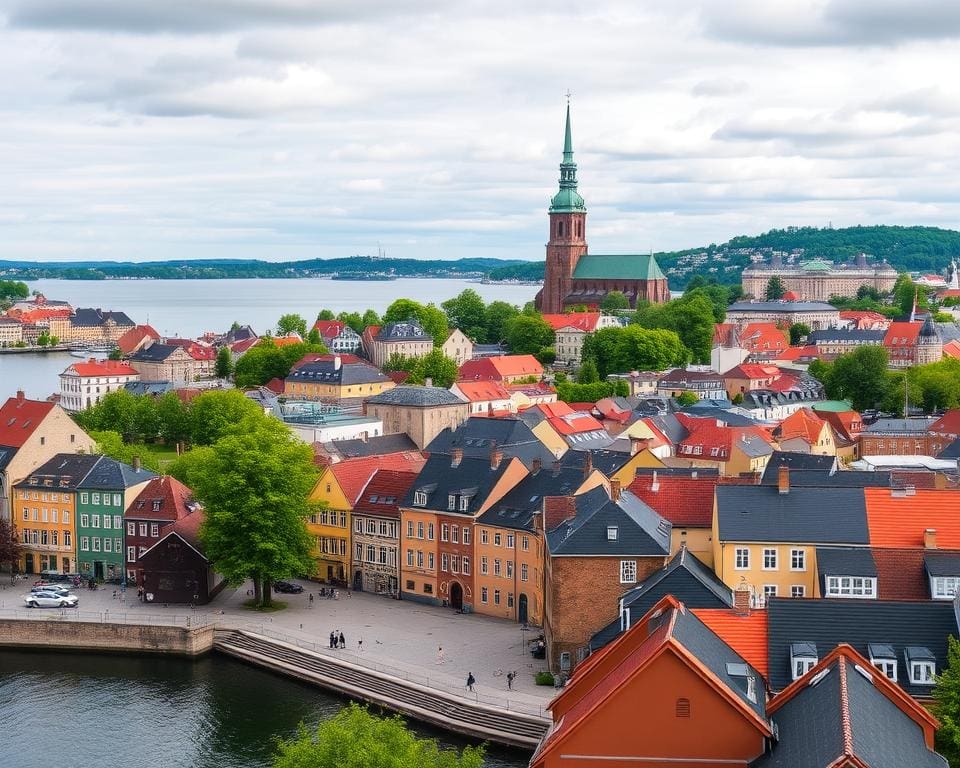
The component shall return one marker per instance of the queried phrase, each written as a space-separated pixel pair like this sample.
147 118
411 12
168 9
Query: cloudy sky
285 129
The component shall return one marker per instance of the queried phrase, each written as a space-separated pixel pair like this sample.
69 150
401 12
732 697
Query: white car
54 589
50 600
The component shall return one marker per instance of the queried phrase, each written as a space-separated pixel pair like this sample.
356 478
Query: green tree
570 392
798 331
946 697
369 318
399 362
292 323
717 295
775 289
860 376
687 399
213 413
619 350
146 419
588 372
116 354
314 337
431 319
224 364
265 361
353 738
495 320
10 289
468 313
436 366
353 320
174 416
254 483
692 317
613 301
324 314
528 334
111 444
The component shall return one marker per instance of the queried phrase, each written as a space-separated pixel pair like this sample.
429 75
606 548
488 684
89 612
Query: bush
544 678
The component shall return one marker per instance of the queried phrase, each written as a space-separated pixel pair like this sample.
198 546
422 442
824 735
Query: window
769 590
509 599
798 560
801 665
465 565
430 531
107 523
496 597
116 500
798 590
884 658
683 707
455 534
410 558
95 544
131 554
95 521
483 536
131 529
483 565
428 589
628 571
497 540
509 541
409 529
455 564
143 529
483 594
83 498
358 525
410 585
496 566
466 535
371 553
769 559
431 563
107 545
444 532
851 586
509 569
419 558
420 530
419 499
444 562
66 538
358 551
84 521
523 571
96 498
742 559
945 587
464 503
525 543
612 533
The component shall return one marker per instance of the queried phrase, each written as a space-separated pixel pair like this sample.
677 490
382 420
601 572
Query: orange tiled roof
499 367
795 353
747 635
353 474
801 423
681 499
329 328
583 321
131 341
896 519
481 391
902 333
104 368
952 349
948 424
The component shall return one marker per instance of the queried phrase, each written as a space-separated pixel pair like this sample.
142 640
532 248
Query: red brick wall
930 445
446 578
563 252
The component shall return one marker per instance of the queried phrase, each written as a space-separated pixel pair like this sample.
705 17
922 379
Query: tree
254 483
496 317
430 318
468 313
111 444
946 695
224 364
528 334
314 337
399 362
798 331
325 314
687 399
775 289
588 373
10 547
618 350
717 295
860 376
613 301
174 416
116 354
692 317
353 738
353 320
436 366
265 361
293 323
213 413
369 318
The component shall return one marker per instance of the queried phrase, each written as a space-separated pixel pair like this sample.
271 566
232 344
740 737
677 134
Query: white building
83 385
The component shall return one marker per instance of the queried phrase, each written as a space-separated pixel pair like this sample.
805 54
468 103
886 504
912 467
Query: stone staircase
420 702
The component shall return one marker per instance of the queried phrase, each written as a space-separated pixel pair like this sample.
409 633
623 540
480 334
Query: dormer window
803 658
944 587
420 499
612 532
851 586
884 658
451 501
921 664
464 503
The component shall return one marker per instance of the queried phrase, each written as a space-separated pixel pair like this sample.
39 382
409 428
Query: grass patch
275 606
162 454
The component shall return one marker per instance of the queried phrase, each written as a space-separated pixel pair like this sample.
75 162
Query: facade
204 357
335 379
747 377
164 362
83 385
94 325
458 347
337 336
573 276
818 280
420 412
814 314
175 569
162 501
406 338
11 331
507 369
706 385
804 432
902 437
572 329
484 397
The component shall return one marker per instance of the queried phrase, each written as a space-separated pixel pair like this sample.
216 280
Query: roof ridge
845 708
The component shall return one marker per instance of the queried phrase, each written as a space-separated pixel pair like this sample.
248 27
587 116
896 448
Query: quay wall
106 637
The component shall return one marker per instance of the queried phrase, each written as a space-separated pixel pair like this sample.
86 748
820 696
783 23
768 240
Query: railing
188 620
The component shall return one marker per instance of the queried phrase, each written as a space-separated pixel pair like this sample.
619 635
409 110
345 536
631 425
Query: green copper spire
567 200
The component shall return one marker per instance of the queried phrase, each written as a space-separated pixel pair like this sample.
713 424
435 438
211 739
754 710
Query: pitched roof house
506 369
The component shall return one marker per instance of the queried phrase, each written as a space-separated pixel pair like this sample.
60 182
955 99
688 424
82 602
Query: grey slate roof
845 561
155 353
641 532
148 387
795 461
326 371
408 330
439 479
670 425
477 436
942 563
901 426
372 446
811 515
846 334
72 467
781 306
112 475
828 622
417 397
952 451
88 317
607 461
844 478
6 456
518 507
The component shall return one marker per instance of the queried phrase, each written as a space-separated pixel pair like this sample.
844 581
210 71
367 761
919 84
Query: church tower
568 239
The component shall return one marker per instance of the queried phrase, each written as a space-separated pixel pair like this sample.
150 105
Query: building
507 369
814 314
164 362
476 437
734 343
83 385
805 432
484 397
641 383
732 451
457 347
833 342
175 569
11 331
162 501
338 450
337 336
902 437
405 338
204 357
376 532
87 324
818 279
910 343
706 385
420 412
572 329
559 425
335 379
103 496
598 546
137 338
747 377
45 514
573 276
31 433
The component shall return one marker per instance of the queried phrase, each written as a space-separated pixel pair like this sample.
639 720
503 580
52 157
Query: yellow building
804 432
333 378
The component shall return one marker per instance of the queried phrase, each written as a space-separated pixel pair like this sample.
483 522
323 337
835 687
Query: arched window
559 229
683 707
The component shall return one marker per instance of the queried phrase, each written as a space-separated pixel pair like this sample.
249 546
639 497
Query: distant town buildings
818 279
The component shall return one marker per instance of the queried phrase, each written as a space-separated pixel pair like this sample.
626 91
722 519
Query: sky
293 129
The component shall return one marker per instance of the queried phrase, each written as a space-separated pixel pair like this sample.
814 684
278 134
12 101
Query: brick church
574 276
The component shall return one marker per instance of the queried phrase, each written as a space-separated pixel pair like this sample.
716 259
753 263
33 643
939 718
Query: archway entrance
522 609
456 596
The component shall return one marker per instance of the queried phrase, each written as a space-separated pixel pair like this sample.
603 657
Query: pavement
399 636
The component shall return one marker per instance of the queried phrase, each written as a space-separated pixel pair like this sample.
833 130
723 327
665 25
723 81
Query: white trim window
769 590
798 560
944 587
858 587
923 672
798 590
769 559
628 571
741 560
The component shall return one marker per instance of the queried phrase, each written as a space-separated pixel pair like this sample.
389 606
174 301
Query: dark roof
71 468
671 426
337 369
846 334
821 515
942 563
802 461
384 492
148 387
781 306
842 712
439 480
477 436
6 456
901 426
845 478
110 474
829 622
372 446
952 451
408 330
518 507
417 397
155 353
88 317
845 561
605 460
640 531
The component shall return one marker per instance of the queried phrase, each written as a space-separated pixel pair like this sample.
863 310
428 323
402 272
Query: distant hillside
920 249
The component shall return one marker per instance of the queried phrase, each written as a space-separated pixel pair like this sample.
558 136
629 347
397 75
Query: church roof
618 267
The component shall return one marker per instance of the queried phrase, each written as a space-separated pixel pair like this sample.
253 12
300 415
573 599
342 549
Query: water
190 307
105 711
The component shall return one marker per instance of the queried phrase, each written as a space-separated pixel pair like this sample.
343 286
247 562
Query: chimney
587 465
537 466
637 444
615 490
557 509
741 599
136 463
20 396
930 538
456 456
496 456
783 479
337 362
655 484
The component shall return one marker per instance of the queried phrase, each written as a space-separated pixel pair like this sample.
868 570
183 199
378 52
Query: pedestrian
510 676
311 599
140 593
440 655
470 681
359 645
333 640
343 640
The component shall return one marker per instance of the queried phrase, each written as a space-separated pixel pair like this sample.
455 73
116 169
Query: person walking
440 655
360 645
311 599
333 640
471 680
343 640
510 676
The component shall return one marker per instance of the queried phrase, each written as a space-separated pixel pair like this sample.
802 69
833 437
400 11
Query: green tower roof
567 199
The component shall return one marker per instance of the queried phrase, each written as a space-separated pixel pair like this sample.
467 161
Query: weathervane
568 97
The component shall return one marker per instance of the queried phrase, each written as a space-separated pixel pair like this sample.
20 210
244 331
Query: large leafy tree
775 289
798 331
528 334
618 350
431 319
10 547
692 317
495 320
468 313
613 301
112 444
254 483
265 361
436 366
860 376
224 364
292 323
353 738
946 695
214 413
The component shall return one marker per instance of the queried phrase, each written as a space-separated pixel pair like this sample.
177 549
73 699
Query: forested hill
920 249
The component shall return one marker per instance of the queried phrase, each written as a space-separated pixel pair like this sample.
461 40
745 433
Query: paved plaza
399 637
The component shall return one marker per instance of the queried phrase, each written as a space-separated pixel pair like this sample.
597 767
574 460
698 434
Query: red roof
188 528
713 440
500 367
952 349
791 296
162 498
753 371
288 340
314 357
847 424
133 339
196 351
398 377
275 385
384 492
899 519
103 368
583 321
681 499
796 353
745 633
864 319
19 418
36 315
575 423
482 391
329 328
354 474
902 334
239 347
803 424
755 337
948 424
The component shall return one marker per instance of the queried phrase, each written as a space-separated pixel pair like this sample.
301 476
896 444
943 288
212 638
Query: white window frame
923 673
628 571
849 586
887 666
944 587
800 665
771 554
741 559
798 556
798 590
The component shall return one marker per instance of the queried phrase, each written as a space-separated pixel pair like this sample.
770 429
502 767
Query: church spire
567 200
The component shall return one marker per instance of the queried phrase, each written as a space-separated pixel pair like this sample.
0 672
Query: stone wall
93 636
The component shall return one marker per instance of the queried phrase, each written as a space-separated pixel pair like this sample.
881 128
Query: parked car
287 587
53 589
50 600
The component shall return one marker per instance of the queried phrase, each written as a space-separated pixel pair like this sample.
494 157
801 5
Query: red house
163 501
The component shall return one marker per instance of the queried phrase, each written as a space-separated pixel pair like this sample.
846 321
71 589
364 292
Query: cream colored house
458 347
